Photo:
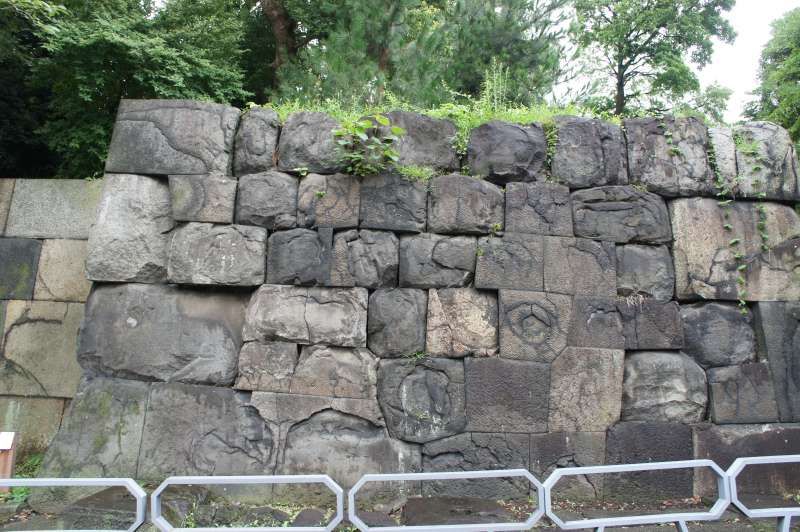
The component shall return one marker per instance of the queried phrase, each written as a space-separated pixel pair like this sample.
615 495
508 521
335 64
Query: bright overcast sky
736 65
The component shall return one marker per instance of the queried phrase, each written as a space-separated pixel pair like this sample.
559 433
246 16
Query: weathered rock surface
172 137
741 394
778 326
231 255
393 203
645 270
35 420
431 261
589 153
721 140
365 258
129 241
718 334
334 316
596 322
300 256
328 201
570 449
267 199
159 332
620 214
580 266
430 511
462 204
256 140
533 325
461 322
514 261
428 141
19 259
202 198
396 324
307 144
6 192
663 385
267 366
651 324
766 161
541 208
504 152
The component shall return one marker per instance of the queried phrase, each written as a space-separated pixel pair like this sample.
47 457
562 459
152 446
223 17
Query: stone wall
254 310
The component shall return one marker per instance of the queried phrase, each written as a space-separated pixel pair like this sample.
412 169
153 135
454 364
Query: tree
645 43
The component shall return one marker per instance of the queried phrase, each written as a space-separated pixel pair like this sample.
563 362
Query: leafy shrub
366 149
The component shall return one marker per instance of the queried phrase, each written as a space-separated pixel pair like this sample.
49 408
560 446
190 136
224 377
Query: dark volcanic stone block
268 200
307 143
570 449
514 261
742 394
256 140
396 322
462 204
646 271
365 258
540 208
579 266
589 153
779 342
596 322
504 152
427 142
431 261
393 203
328 201
19 259
299 256
533 325
718 334
772 167
620 214
651 324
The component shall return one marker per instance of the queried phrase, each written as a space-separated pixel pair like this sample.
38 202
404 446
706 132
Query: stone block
34 419
268 200
721 140
365 258
202 198
427 142
396 324
741 394
61 275
461 322
651 324
307 144
515 261
541 208
19 259
432 261
506 395
160 332
6 192
300 256
718 334
570 449
646 271
579 266
766 161
503 152
231 255
53 208
663 386
620 214
589 153
778 326
165 137
335 372
266 366
393 203
256 141
533 325
422 400
334 316
462 204
129 241
595 322
328 201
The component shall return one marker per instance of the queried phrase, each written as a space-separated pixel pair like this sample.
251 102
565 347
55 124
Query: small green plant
551 136
479 252
302 171
496 228
366 149
416 173
418 355
320 193
28 468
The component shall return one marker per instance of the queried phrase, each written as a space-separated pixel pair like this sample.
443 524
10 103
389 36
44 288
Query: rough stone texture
231 255
202 198
61 275
365 258
268 199
651 324
39 349
585 389
504 152
589 153
328 201
396 324
129 241
570 449
533 325
506 395
159 332
462 204
779 343
431 261
172 137
267 366
422 400
299 256
718 334
256 140
19 258
427 142
640 442
335 372
34 419
669 155
541 208
580 266
334 316
513 261
721 139
663 385
596 322
307 142
52 208
741 394
620 214
766 162
394 203
645 270
461 322
6 191
428 511
705 265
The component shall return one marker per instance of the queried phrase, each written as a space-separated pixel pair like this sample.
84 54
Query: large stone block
427 142
620 214
256 141
718 334
533 325
392 202
159 332
6 192
766 161
461 322
19 259
541 208
172 137
579 266
506 395
651 324
328 201
422 400
202 198
267 366
596 322
708 238
645 270
34 419
334 372
722 142
268 200
334 316
129 241
741 394
300 256
432 261
570 449
778 326
504 152
365 258
232 255
663 386
462 204
307 144
589 153
514 261
396 324
61 275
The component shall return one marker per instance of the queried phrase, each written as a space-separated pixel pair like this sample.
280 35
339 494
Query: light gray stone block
307 144
202 198
467 205
461 322
256 141
61 275
268 200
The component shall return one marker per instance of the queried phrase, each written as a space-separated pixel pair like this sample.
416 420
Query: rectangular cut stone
266 366
393 203
461 322
570 449
514 261
589 153
651 324
256 141
595 323
620 214
463 204
300 256
766 162
428 141
434 261
741 394
541 208
267 199
53 208
778 331
397 322
34 419
307 144
202 198
6 191
579 266
645 271
365 258
62 272
19 259
328 201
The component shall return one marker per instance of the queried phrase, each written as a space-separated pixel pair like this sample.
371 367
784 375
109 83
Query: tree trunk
619 98
282 27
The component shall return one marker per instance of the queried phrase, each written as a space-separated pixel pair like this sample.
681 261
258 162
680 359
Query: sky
736 65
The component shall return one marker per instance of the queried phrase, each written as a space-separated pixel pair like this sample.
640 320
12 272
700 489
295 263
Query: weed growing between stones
422 174
366 149
28 468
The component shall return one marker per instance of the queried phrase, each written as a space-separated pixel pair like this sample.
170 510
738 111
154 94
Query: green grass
28 468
